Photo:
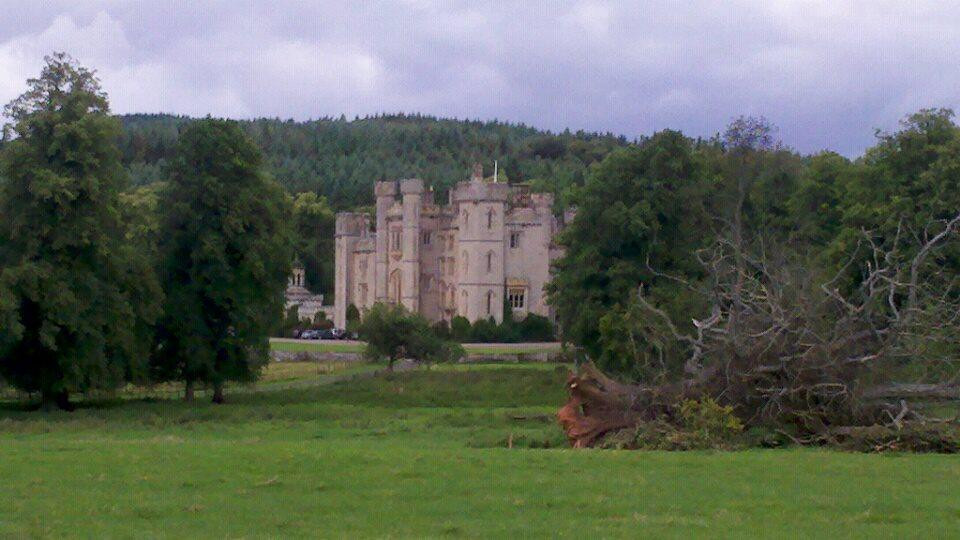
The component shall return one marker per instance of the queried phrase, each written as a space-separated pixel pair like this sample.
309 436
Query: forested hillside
340 159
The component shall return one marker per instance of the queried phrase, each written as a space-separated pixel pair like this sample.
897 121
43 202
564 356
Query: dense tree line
340 159
152 247
331 164
813 296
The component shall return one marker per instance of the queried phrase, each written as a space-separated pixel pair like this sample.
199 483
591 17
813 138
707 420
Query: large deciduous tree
225 253
77 298
644 203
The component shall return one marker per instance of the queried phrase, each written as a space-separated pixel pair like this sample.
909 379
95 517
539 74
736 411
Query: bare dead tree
812 356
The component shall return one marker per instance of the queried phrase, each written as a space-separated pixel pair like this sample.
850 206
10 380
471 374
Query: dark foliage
225 257
393 333
77 296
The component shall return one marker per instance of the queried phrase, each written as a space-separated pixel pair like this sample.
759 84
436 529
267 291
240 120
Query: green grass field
425 453
472 348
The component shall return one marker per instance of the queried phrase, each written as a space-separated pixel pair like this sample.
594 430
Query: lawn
356 346
425 453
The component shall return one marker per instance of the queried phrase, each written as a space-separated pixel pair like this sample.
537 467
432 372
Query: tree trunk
218 393
56 399
188 391
599 405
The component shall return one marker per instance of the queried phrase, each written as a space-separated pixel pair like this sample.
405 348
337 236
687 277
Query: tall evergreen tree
76 297
225 253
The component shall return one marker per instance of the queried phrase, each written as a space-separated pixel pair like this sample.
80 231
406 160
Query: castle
492 243
297 294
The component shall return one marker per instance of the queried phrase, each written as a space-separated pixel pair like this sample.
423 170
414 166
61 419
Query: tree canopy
642 203
225 254
76 296
393 333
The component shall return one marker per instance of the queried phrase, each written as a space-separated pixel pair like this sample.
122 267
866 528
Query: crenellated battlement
492 243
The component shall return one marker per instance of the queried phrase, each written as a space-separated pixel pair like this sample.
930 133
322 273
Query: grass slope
423 454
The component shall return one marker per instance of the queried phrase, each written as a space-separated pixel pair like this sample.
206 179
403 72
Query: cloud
827 73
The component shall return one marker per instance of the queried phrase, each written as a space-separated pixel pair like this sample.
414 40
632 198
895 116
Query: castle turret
386 193
350 228
412 190
481 206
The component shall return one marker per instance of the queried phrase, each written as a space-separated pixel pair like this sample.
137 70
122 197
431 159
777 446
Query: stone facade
308 304
491 243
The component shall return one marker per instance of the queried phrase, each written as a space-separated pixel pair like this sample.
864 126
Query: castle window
443 266
426 238
395 237
490 219
489 302
516 296
514 240
466 219
450 243
489 261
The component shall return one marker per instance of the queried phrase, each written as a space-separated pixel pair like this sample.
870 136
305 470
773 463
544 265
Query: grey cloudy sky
827 73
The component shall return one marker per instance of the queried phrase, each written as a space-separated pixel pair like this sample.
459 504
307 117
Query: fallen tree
866 366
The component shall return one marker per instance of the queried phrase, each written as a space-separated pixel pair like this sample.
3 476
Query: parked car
331 333
311 334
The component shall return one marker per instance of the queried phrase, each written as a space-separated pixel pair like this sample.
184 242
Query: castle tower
350 227
412 191
386 193
482 206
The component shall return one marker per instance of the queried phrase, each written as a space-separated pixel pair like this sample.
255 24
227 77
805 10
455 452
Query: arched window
465 217
489 262
489 302
490 215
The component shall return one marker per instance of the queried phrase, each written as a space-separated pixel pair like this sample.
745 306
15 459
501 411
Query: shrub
321 324
536 328
353 314
708 419
393 333
693 425
290 323
533 328
442 329
484 331
460 329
